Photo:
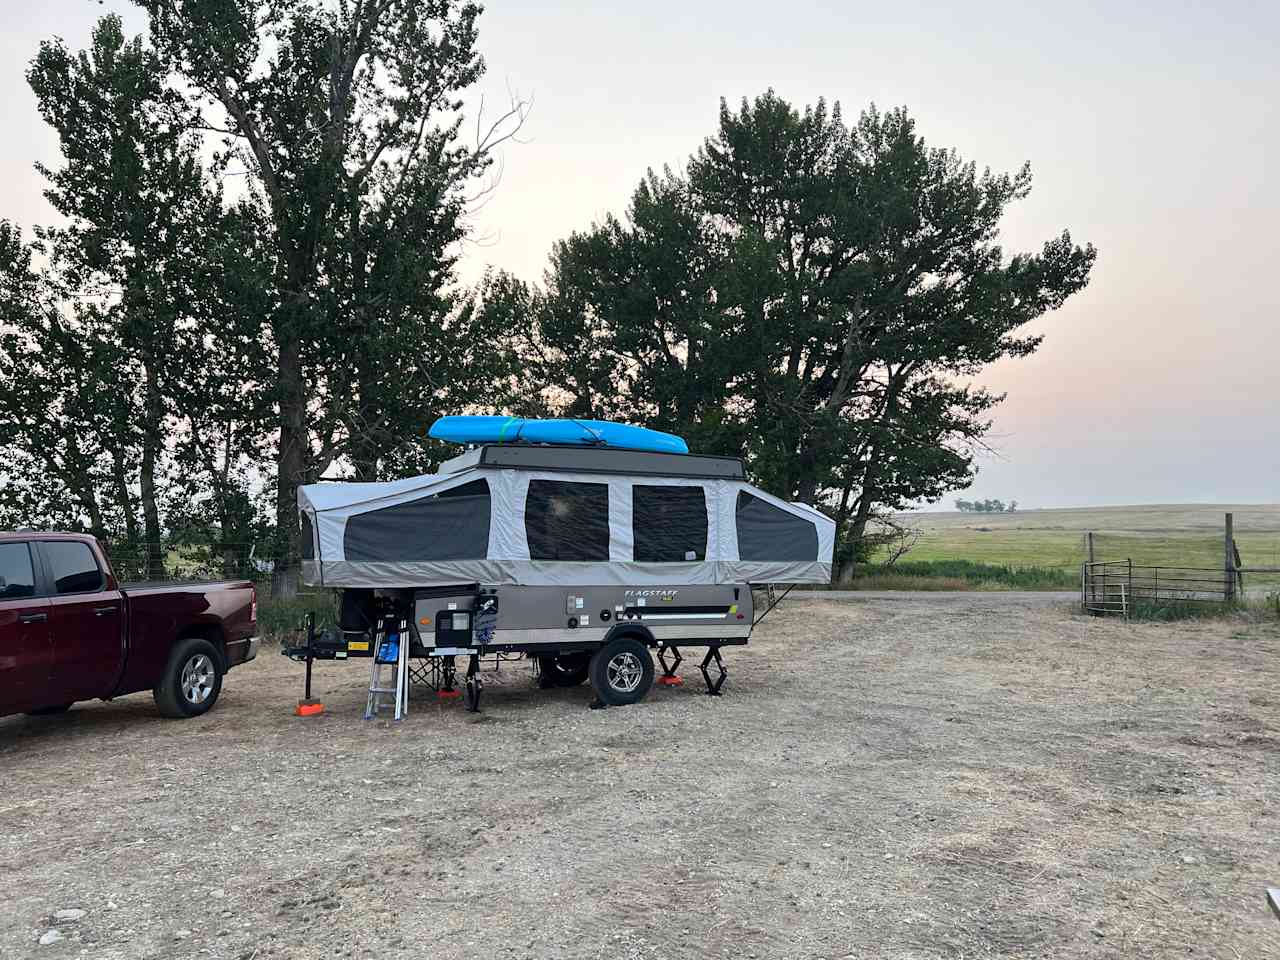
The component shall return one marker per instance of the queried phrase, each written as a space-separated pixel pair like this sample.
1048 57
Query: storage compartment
443 617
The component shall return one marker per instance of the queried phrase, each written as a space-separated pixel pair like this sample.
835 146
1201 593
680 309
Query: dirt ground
915 776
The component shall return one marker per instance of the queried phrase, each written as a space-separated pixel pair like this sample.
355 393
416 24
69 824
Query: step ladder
390 655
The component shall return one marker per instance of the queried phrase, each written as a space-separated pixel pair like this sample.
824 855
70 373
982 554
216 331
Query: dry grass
987 775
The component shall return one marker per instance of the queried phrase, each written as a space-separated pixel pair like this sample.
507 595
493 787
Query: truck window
17 575
669 523
72 565
564 520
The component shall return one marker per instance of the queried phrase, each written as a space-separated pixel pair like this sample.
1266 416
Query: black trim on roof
583 459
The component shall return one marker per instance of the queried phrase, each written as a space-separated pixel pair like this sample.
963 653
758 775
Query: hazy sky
1150 128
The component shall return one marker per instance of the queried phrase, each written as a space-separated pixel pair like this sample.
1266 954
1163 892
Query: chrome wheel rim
197 679
624 672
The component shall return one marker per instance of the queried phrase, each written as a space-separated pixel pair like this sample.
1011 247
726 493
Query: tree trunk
122 494
291 466
147 478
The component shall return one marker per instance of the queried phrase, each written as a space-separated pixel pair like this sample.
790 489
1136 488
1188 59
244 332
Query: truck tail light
253 605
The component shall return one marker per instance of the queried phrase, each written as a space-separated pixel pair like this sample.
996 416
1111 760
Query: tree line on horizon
987 506
253 284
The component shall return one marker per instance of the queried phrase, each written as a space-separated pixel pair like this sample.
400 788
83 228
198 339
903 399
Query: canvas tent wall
537 527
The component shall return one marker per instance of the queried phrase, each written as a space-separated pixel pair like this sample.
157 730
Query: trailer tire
564 670
622 671
191 681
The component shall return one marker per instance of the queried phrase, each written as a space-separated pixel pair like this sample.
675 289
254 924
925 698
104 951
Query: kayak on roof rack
601 433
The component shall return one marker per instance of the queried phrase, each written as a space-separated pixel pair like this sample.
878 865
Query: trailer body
558 550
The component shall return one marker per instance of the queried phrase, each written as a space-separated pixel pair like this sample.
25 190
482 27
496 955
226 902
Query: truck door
86 619
26 655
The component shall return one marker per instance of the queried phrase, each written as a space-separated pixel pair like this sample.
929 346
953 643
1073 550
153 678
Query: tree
138 330
814 296
346 118
57 421
138 211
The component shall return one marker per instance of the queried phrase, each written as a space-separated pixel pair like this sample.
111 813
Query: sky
1150 129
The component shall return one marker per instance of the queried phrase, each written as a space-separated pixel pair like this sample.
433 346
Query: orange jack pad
671 681
308 708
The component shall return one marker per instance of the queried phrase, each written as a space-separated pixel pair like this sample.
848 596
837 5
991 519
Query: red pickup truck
69 631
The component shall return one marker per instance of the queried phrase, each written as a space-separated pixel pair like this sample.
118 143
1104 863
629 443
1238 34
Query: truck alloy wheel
192 679
622 671
198 676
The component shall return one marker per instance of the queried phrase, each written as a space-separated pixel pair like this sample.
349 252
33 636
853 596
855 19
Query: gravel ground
990 775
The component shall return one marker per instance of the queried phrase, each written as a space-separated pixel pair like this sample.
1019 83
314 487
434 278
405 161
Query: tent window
669 523
567 521
766 532
453 525
307 538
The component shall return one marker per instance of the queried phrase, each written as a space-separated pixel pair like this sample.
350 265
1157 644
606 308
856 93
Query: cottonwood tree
346 118
135 347
821 295
143 223
58 425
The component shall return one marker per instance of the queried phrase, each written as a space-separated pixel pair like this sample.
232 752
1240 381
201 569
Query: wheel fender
637 630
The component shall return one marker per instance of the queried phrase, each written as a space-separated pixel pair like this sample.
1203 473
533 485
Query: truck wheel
566 670
192 679
50 711
622 671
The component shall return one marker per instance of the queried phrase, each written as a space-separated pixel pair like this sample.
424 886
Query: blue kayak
600 433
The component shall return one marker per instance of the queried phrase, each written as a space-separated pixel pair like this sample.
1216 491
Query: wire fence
191 561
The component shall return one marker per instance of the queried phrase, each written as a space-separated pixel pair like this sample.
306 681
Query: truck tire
565 670
622 671
191 681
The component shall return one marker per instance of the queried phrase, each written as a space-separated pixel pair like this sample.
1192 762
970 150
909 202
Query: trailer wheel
191 681
565 670
622 671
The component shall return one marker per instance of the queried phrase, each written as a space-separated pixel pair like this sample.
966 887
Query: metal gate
1106 586
1114 586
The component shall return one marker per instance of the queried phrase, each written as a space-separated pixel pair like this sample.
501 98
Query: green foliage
986 506
345 117
810 295
279 618
971 573
182 336
1164 611
129 332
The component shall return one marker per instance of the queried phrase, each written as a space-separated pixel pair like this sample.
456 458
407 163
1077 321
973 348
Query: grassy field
1053 540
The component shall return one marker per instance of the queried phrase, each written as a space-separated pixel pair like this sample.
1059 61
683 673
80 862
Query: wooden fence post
1229 561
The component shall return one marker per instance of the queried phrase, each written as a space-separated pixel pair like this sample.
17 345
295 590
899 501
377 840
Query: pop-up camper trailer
578 553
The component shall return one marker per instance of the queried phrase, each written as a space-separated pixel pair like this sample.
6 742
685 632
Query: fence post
1228 561
1093 590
